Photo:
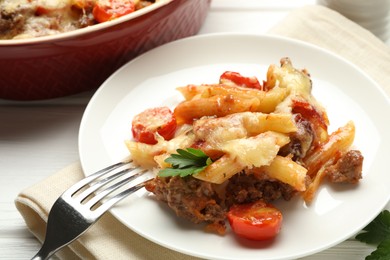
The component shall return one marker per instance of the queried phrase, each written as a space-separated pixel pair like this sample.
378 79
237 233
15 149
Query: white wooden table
39 138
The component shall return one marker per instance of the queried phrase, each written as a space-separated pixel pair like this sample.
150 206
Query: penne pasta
144 154
194 91
220 170
287 171
286 76
339 142
256 123
312 188
216 131
187 111
256 151
222 100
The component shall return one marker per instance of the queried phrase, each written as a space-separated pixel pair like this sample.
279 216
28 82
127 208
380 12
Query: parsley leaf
382 252
186 162
378 233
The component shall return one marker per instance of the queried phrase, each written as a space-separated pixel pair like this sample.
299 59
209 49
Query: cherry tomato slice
238 79
255 221
41 10
106 10
151 121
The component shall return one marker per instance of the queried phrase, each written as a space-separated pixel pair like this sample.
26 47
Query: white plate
338 211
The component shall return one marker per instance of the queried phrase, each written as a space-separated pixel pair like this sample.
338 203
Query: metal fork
85 202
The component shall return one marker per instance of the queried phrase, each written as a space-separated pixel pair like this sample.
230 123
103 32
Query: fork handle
43 253
38 257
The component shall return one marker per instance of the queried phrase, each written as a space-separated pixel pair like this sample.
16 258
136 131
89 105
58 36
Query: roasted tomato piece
255 221
151 121
41 10
238 79
106 10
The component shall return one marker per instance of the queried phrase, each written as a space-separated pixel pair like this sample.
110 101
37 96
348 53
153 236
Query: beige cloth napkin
109 239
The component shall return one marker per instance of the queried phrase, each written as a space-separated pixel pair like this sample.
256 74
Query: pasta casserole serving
34 18
230 149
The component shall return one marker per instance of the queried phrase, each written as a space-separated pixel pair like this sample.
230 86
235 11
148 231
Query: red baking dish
80 60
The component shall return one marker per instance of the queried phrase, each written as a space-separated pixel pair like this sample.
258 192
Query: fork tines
96 188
